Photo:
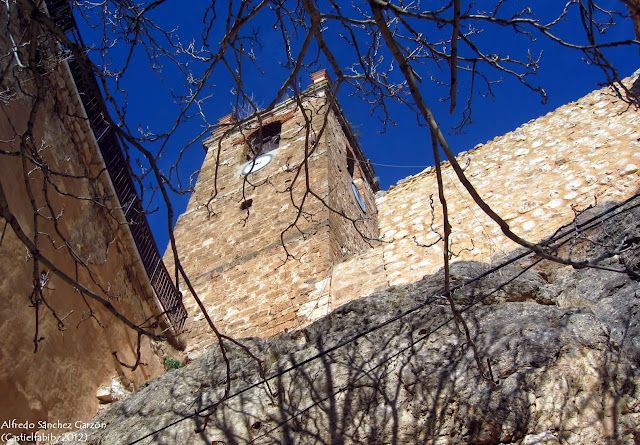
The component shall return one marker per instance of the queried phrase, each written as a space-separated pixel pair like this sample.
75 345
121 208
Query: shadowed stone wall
561 344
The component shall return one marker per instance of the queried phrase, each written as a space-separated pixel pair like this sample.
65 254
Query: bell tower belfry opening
278 201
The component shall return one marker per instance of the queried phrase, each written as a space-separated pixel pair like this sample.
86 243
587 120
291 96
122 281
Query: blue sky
404 148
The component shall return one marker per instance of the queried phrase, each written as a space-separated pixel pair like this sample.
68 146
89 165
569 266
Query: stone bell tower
278 201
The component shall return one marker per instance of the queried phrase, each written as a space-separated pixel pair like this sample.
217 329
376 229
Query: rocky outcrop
561 348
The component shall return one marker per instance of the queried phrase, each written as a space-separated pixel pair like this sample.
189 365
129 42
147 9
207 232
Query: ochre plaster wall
59 381
584 152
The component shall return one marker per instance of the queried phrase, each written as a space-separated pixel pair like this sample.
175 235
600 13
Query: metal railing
120 173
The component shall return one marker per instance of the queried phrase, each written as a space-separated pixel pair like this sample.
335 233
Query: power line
377 164
397 353
432 331
582 226
591 222
400 166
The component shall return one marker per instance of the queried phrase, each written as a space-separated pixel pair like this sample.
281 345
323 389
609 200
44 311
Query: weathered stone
104 394
558 368
108 394
535 189
629 169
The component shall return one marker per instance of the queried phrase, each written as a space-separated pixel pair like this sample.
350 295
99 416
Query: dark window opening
351 162
350 166
264 140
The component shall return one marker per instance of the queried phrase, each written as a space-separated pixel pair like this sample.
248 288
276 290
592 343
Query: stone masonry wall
348 222
584 152
259 264
59 381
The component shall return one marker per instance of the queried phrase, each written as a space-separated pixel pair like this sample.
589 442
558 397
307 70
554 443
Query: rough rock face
563 346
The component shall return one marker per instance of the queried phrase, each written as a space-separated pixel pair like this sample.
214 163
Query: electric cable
589 223
411 344
377 164
397 353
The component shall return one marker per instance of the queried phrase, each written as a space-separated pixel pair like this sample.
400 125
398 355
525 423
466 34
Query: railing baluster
118 169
